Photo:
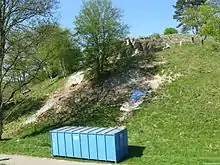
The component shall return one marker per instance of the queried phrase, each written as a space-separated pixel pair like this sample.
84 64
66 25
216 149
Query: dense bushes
168 31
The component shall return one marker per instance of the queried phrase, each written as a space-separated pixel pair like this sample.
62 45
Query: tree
181 6
18 15
63 55
20 63
205 17
168 31
99 29
210 14
155 35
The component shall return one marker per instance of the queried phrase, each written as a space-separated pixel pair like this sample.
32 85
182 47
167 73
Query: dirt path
26 160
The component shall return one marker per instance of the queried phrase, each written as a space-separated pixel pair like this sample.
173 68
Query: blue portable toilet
85 143
69 142
93 143
117 144
77 142
57 141
107 144
102 144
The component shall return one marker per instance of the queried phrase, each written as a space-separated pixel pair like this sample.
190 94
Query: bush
168 31
155 35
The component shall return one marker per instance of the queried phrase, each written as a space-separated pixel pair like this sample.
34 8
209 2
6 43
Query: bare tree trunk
63 67
1 101
98 67
2 54
102 64
2 48
1 117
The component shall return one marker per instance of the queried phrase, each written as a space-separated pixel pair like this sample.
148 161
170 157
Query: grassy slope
180 126
28 104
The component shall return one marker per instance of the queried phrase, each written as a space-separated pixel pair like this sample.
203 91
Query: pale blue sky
144 17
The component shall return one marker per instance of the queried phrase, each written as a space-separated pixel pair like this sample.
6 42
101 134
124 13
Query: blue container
107 144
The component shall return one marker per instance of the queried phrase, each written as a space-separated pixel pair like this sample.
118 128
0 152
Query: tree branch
25 83
9 67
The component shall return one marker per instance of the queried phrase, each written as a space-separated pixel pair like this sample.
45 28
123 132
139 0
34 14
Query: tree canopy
60 51
99 29
181 6
17 16
206 17
211 20
170 31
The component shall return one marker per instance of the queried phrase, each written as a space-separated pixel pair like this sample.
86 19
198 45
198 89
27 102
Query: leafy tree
21 63
48 44
99 29
60 50
18 15
205 16
155 35
168 31
211 21
181 6
191 20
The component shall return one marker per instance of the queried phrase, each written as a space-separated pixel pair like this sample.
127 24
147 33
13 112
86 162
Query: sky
144 17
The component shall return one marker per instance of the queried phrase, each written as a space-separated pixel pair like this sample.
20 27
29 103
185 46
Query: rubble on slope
64 92
117 88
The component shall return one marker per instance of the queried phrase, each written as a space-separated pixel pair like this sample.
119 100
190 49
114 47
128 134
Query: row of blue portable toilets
107 144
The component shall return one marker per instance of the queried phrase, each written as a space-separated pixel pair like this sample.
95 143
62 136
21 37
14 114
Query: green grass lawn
26 105
179 126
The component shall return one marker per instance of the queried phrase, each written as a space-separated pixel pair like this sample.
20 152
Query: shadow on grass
28 103
24 107
5 139
135 151
85 113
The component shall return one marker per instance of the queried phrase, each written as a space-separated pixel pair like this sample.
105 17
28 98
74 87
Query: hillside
181 124
178 124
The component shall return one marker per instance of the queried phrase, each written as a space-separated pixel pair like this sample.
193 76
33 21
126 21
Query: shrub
168 31
155 35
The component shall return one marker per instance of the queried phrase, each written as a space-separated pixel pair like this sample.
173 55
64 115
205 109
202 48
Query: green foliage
99 29
60 51
181 6
29 103
210 15
168 31
190 20
184 115
17 17
155 35
36 55
83 114
206 17
22 58
179 126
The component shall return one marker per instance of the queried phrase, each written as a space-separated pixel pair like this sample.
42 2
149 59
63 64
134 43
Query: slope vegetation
179 124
